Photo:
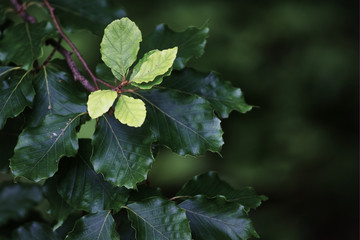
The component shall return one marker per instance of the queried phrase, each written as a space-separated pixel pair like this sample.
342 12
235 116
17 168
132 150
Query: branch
20 9
51 10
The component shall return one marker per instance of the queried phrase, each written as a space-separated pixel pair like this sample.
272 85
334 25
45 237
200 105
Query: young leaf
221 94
158 80
130 111
16 93
39 149
217 219
100 101
157 218
85 189
211 185
35 230
121 153
95 226
191 42
120 46
153 64
185 123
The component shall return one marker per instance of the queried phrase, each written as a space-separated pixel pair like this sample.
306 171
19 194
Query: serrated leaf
217 218
153 64
85 189
56 93
39 149
35 230
157 218
211 185
120 45
92 15
185 123
191 42
16 93
22 43
58 208
95 226
16 200
100 101
121 153
221 94
130 111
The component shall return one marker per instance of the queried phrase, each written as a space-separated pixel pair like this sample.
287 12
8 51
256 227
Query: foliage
80 188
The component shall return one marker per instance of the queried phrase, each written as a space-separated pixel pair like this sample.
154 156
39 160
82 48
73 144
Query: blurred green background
297 61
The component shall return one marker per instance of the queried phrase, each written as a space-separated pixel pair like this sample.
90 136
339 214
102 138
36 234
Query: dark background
297 61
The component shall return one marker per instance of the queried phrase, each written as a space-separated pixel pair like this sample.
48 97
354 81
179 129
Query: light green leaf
130 111
216 218
153 64
97 226
100 101
120 46
158 80
156 218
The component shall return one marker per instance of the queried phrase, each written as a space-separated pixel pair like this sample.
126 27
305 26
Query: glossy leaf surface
85 189
100 101
97 226
35 230
217 219
191 42
185 123
121 153
130 111
157 218
120 45
16 93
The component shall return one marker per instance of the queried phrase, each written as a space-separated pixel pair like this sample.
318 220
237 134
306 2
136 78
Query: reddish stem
20 9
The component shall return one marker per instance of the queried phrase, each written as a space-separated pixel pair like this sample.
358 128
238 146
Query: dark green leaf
22 43
35 230
144 191
16 93
105 74
58 208
221 94
157 218
85 189
39 149
93 15
209 184
95 226
217 218
123 226
16 200
121 153
191 42
56 93
185 123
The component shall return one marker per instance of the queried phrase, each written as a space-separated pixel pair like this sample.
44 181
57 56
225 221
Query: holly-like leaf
92 15
85 189
95 226
35 230
221 94
121 153
56 93
191 42
100 101
16 93
217 218
185 123
39 149
130 111
120 45
153 64
58 208
157 218
22 43
211 185
16 200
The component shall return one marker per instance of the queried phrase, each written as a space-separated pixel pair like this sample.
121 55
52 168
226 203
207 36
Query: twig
20 9
48 59
51 10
